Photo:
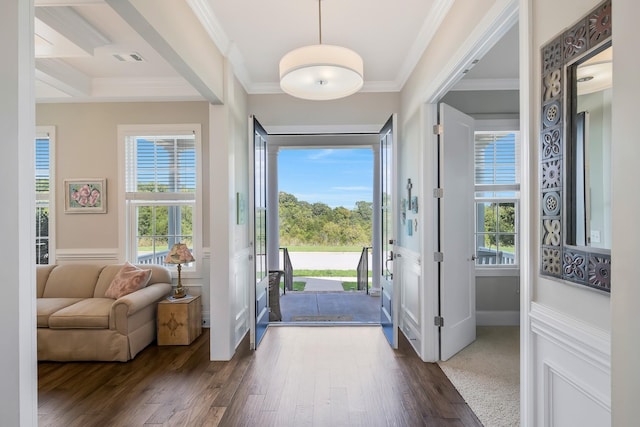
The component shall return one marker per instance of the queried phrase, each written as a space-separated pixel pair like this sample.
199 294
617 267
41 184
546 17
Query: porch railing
363 270
487 256
153 258
288 270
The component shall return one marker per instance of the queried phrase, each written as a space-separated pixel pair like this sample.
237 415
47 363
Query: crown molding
426 34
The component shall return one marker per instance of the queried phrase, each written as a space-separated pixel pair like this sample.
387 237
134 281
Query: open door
258 291
456 230
388 230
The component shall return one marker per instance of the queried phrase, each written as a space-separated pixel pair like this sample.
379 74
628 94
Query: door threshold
324 323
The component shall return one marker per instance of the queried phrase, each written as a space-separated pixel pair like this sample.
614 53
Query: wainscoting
409 278
571 371
242 268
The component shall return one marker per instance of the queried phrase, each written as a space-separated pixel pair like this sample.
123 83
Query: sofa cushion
48 306
90 313
42 275
159 274
72 281
129 279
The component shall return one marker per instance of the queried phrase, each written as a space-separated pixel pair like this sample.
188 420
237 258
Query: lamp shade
179 254
321 72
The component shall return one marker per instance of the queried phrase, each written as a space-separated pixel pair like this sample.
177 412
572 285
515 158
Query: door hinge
438 193
437 129
438 257
438 321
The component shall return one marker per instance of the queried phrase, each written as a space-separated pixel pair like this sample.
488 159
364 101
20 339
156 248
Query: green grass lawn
325 273
350 286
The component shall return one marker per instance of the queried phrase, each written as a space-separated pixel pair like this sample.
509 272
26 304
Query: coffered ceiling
86 51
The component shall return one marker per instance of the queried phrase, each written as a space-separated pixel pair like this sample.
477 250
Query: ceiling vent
129 57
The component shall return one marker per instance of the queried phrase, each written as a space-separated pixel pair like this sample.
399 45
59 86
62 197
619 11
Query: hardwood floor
299 376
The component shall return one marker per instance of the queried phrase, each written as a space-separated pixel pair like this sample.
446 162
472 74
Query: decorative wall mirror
575 146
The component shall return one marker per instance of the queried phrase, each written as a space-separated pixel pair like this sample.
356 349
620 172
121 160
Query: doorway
325 234
497 281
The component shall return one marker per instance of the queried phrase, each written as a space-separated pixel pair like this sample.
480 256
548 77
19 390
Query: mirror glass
589 152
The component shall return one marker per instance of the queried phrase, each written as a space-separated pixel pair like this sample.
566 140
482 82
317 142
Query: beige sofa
77 322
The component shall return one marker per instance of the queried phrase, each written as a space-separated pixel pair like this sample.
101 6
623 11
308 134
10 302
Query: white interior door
457 270
258 290
387 234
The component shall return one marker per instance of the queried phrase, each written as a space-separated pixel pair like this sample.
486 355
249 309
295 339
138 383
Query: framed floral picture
86 195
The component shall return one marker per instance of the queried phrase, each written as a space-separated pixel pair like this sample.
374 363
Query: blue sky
336 177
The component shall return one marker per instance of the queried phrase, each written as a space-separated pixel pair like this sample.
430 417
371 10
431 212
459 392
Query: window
161 188
497 187
45 196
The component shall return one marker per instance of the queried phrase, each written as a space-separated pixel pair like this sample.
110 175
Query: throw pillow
129 279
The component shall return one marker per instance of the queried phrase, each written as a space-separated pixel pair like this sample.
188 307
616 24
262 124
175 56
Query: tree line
316 224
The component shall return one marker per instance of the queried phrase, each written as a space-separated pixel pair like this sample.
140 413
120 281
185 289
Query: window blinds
496 158
161 167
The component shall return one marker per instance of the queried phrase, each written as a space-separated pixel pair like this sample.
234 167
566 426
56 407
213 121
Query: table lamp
179 254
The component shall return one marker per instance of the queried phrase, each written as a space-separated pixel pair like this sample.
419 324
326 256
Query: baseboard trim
497 318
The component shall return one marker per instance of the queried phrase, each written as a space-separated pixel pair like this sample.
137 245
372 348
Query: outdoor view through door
325 214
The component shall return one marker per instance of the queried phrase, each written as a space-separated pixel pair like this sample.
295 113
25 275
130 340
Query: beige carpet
487 375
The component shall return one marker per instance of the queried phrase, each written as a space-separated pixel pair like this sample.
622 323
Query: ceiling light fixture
321 72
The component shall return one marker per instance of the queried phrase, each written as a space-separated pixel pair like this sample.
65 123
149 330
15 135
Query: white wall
625 293
463 31
577 301
569 365
18 388
281 112
230 251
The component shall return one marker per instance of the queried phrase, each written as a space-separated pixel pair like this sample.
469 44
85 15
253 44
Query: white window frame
50 133
126 219
500 125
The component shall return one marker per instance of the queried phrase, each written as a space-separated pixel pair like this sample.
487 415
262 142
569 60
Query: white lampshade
321 72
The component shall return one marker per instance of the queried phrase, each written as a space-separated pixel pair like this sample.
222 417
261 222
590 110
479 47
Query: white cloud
321 154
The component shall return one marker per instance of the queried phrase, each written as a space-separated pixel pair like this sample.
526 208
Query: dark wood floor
300 376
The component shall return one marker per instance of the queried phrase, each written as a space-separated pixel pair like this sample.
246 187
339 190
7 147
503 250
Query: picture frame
85 195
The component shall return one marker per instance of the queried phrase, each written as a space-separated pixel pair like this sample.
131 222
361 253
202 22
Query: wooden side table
179 320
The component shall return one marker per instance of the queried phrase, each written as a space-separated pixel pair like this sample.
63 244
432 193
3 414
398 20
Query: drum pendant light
321 72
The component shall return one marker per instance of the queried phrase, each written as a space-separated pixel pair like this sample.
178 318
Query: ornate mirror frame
558 260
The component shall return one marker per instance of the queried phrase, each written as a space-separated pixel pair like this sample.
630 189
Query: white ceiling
77 42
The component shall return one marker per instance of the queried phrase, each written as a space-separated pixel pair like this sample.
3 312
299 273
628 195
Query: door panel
457 270
388 230
259 295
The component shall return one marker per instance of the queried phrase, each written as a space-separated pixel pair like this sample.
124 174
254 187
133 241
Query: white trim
497 22
428 30
551 373
430 298
107 255
497 317
124 222
578 338
527 360
322 129
50 132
